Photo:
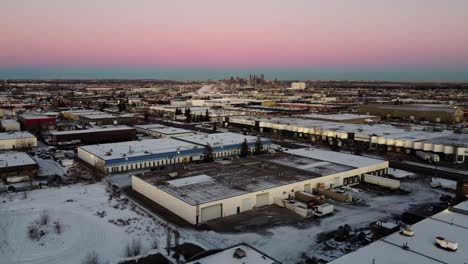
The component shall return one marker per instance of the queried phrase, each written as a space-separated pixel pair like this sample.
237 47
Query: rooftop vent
239 253
445 244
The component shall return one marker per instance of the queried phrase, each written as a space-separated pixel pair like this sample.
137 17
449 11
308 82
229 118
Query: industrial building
17 166
10 125
436 113
132 155
237 254
162 131
226 144
450 224
36 123
201 192
386 137
17 140
342 118
107 134
98 118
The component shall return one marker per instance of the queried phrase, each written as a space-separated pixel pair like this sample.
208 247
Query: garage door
262 199
211 212
246 204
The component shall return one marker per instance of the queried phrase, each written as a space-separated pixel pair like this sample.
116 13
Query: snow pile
444 183
399 174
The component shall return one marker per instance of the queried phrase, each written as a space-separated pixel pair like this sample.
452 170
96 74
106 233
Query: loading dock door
211 212
262 199
246 204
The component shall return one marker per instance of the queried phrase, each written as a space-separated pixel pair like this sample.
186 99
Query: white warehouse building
17 140
162 131
390 137
201 192
150 153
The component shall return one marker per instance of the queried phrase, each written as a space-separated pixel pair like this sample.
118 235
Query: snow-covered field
76 207
49 167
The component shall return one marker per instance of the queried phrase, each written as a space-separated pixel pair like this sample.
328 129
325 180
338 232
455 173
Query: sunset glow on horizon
324 34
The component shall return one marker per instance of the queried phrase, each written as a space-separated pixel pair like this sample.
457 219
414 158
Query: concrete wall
18 143
170 202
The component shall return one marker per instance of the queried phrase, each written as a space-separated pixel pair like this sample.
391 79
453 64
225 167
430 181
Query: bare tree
57 227
33 232
44 218
168 240
133 249
91 258
154 241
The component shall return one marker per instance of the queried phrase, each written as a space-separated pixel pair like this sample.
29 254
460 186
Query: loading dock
262 199
211 212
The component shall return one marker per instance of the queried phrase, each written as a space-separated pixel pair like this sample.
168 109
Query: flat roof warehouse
200 192
208 182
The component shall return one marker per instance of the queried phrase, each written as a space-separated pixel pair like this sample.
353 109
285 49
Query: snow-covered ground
400 173
49 167
76 207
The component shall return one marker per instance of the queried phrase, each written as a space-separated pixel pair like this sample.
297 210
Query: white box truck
324 209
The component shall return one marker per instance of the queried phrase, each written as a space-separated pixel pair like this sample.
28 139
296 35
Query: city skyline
363 39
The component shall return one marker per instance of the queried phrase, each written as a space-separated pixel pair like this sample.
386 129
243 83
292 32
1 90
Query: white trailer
424 156
382 181
324 209
66 162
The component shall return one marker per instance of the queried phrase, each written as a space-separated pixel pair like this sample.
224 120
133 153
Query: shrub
91 258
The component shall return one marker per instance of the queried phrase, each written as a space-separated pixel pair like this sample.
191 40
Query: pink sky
234 33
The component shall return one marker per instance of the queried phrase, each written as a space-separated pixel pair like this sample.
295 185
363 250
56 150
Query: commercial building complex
201 192
387 137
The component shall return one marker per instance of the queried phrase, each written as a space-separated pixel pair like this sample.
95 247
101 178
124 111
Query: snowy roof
335 157
150 126
454 139
90 130
337 117
252 256
450 224
162 129
9 121
190 180
208 182
137 148
365 130
98 116
171 130
13 159
15 135
220 139
35 116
